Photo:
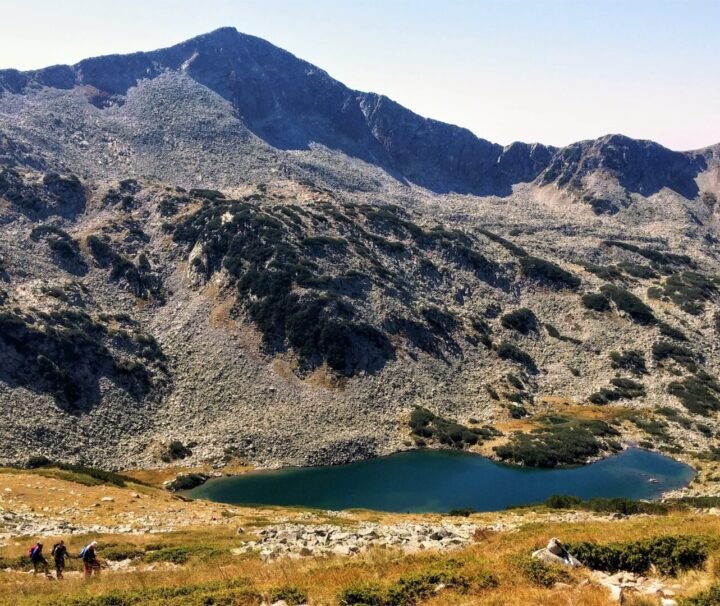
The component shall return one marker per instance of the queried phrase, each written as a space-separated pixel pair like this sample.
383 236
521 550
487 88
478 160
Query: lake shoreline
444 464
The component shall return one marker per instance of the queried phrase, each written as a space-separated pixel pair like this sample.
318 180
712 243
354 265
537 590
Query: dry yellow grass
48 493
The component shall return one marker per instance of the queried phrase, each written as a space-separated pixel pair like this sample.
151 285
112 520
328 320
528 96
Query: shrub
604 272
99 475
670 331
288 593
637 270
187 482
410 589
541 574
623 389
522 320
510 246
665 350
38 461
562 501
508 351
486 580
362 594
235 592
208 194
463 512
552 331
176 450
699 393
548 273
656 256
708 597
669 554
689 290
654 427
426 424
616 505
596 302
116 552
562 441
630 304
631 360
180 554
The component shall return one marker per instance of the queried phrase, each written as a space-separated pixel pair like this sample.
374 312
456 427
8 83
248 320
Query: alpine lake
441 480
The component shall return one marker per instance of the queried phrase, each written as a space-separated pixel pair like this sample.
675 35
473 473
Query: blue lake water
438 480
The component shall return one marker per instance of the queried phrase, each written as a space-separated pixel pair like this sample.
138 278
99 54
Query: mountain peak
291 105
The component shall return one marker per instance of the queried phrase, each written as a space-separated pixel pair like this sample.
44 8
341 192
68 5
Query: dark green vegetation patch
670 555
630 304
522 320
561 441
548 273
411 589
596 301
66 352
303 275
621 389
632 360
690 290
700 393
427 425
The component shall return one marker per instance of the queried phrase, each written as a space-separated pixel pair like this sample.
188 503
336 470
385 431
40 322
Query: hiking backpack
33 551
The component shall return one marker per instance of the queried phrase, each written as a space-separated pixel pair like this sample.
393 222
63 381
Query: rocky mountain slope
219 245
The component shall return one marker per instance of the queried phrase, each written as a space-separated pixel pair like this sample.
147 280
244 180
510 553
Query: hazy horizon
553 72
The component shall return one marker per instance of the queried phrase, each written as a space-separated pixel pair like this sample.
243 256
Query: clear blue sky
554 71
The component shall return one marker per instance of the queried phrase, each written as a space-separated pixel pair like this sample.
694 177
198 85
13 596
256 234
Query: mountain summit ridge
291 104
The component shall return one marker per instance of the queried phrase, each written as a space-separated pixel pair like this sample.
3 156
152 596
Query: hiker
59 553
90 559
38 559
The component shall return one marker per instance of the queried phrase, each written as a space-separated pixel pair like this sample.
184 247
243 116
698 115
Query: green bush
669 554
699 393
510 246
176 450
562 441
654 427
616 505
563 501
548 273
630 304
690 290
187 482
665 350
596 302
622 389
508 351
523 320
656 256
100 475
463 512
631 360
410 589
181 555
426 424
362 594
604 272
636 270
290 594
708 597
541 574
236 593
116 552
670 331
